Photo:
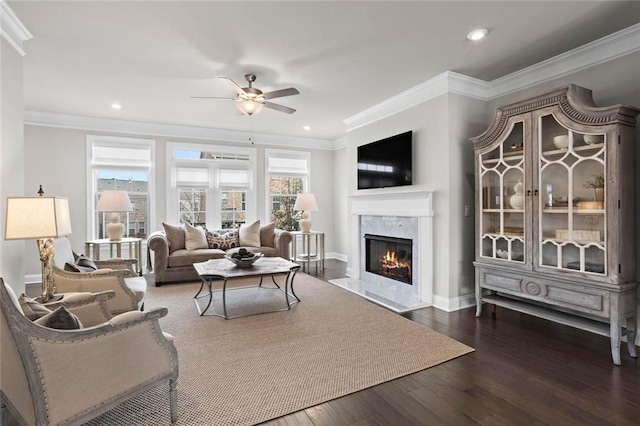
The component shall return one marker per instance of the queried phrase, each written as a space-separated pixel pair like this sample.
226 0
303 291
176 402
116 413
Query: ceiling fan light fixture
477 34
249 106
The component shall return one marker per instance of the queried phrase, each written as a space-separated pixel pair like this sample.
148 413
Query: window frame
92 167
214 190
287 154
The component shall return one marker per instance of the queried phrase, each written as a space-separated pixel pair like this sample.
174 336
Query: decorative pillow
84 263
195 238
60 319
268 234
250 234
223 240
175 235
32 309
70 267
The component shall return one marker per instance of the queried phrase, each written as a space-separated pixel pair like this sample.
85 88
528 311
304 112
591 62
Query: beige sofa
171 256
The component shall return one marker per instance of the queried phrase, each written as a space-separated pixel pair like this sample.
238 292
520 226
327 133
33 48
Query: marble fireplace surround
405 213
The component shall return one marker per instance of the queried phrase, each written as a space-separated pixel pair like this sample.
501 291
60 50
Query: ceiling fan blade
280 108
232 84
282 92
213 97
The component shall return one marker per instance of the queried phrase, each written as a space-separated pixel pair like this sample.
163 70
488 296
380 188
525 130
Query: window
211 186
193 206
234 208
123 164
287 176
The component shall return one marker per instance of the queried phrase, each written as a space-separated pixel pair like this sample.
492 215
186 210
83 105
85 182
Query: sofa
173 251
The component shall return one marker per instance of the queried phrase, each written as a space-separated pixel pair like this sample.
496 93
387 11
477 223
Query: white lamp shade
37 217
249 106
306 202
114 201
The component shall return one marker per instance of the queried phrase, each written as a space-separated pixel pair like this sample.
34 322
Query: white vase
517 199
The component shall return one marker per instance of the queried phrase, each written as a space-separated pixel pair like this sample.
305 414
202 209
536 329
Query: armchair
71 376
117 275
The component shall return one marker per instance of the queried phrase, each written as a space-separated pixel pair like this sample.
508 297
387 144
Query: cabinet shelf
554 210
594 147
502 210
581 242
593 326
504 234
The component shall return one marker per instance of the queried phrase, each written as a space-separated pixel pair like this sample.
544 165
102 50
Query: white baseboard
33 279
454 304
337 256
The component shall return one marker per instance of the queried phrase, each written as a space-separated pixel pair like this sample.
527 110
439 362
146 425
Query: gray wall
11 160
57 160
443 163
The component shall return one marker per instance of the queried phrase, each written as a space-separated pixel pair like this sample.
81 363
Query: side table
134 245
307 257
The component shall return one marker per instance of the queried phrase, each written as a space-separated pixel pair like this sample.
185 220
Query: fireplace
389 257
404 214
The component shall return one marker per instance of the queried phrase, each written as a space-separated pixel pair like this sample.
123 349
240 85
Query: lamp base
115 228
45 247
305 223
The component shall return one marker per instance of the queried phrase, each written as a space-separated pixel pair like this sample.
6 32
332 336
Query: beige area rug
249 370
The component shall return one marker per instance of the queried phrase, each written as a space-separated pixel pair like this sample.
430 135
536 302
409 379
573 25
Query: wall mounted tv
385 163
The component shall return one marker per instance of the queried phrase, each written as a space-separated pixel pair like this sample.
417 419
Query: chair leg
173 395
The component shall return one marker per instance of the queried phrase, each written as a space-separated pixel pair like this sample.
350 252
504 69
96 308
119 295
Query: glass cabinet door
571 208
502 181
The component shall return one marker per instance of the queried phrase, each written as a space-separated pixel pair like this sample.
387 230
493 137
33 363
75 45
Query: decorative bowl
591 139
561 141
502 254
245 261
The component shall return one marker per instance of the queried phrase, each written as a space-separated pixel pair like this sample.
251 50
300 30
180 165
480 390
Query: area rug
249 370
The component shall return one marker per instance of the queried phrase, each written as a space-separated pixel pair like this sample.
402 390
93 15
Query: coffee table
224 270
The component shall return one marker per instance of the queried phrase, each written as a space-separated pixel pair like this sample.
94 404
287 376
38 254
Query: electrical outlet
467 210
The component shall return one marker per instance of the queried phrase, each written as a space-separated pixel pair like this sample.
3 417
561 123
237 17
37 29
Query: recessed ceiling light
478 34
116 106
307 127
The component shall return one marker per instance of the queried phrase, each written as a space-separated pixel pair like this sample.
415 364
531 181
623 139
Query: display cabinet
555 221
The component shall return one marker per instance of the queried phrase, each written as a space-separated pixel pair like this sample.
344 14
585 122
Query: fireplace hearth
389 257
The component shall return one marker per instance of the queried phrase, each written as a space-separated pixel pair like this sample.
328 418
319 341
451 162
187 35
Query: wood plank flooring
524 371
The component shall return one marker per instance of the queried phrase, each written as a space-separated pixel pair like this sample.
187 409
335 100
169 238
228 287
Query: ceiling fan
251 100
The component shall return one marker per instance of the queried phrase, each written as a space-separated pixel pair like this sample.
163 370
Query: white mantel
410 201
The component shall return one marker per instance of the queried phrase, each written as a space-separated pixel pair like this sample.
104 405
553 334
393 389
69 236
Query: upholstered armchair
114 274
53 377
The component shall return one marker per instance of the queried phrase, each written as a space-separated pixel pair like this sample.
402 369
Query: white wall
11 159
57 160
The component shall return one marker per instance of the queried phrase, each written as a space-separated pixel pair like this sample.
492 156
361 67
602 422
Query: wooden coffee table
224 270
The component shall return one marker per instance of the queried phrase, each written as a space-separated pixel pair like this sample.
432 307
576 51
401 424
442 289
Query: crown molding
12 29
94 124
340 143
607 48
447 82
616 45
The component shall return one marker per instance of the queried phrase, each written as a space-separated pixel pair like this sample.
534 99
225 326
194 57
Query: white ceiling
343 57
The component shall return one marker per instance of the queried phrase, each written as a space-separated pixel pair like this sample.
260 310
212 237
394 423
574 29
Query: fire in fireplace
389 257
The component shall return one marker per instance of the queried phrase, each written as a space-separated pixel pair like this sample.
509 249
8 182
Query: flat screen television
385 163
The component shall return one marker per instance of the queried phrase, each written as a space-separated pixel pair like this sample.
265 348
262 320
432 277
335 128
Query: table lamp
306 203
41 218
114 202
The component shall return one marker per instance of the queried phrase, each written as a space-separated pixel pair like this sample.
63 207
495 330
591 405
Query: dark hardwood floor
524 370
